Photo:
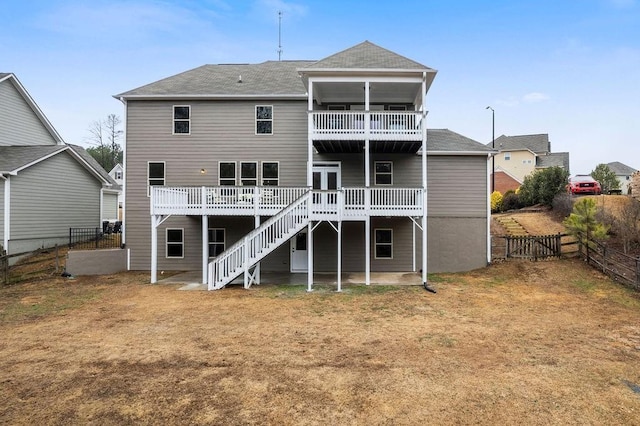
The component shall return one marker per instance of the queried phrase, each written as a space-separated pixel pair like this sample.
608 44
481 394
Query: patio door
326 176
299 259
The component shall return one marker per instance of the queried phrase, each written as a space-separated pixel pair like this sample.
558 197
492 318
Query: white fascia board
213 97
367 70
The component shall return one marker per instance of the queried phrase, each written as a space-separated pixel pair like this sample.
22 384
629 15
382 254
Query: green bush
511 201
543 185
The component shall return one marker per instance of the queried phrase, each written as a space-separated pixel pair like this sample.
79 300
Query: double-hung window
249 173
181 119
175 242
155 174
270 174
507 156
264 120
216 241
227 173
383 173
384 243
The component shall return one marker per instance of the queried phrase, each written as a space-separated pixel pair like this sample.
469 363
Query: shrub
496 202
542 186
511 201
562 204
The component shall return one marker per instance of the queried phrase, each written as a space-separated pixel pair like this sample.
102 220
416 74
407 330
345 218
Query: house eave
465 153
221 96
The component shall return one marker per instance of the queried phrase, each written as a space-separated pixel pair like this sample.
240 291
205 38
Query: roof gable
446 141
538 144
9 78
367 55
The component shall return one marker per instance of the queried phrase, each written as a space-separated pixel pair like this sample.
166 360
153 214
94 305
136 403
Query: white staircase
257 244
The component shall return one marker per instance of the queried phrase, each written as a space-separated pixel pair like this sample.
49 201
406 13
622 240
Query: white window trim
173 122
164 178
262 178
235 175
376 244
257 177
255 116
166 243
375 173
507 156
224 241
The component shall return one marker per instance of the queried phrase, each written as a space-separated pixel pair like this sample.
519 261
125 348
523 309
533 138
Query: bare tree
105 135
628 223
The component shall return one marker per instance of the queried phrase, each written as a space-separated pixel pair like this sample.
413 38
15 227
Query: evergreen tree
582 222
607 178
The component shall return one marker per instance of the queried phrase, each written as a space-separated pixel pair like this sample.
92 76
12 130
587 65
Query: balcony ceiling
354 92
357 147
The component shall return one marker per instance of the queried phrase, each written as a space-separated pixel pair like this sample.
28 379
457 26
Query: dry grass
515 343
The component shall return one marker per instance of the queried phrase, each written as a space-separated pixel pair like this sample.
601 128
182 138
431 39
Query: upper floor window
507 156
264 119
383 173
181 119
155 174
175 242
270 174
249 174
227 173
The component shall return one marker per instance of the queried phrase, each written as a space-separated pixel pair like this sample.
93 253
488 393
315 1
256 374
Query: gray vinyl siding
2 183
51 196
109 206
220 131
457 186
19 125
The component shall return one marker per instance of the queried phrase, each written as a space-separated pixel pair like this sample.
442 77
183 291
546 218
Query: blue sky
569 68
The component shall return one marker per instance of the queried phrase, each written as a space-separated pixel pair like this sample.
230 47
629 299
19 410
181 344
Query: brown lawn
516 343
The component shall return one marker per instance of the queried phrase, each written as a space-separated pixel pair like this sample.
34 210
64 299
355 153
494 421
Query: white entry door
299 259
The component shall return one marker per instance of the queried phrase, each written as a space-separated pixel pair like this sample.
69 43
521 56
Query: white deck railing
347 203
357 125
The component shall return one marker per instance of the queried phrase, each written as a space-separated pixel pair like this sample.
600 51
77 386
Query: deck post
309 136
339 256
310 256
424 184
256 270
154 249
205 247
367 184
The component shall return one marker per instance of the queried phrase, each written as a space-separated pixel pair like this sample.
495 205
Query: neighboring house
623 173
518 156
117 174
46 186
300 166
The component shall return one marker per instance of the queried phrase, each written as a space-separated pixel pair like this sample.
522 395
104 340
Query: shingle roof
447 141
367 55
13 158
535 143
264 79
3 75
93 163
621 169
560 159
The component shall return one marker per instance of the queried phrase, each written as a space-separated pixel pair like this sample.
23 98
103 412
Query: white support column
424 183
413 243
7 212
309 138
339 256
367 184
154 249
256 271
310 257
205 248
490 158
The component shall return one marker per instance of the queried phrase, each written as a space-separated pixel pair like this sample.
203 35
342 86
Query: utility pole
279 35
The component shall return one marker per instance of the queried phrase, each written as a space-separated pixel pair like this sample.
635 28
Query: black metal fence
106 237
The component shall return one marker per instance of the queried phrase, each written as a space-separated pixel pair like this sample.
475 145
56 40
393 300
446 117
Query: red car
584 184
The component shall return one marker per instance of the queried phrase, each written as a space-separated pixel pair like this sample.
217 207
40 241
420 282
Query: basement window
384 243
175 243
216 241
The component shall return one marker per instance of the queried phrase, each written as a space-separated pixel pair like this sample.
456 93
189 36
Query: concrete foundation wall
97 262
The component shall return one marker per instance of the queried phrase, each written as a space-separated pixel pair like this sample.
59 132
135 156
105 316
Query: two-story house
117 173
300 166
46 186
519 156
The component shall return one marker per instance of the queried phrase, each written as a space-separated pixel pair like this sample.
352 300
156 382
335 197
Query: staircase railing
259 243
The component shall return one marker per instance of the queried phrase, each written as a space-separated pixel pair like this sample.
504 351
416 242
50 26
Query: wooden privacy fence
532 247
619 266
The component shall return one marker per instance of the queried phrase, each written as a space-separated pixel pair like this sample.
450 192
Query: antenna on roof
279 35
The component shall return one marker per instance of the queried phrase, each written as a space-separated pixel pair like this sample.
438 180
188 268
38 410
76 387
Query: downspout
424 186
7 213
489 172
